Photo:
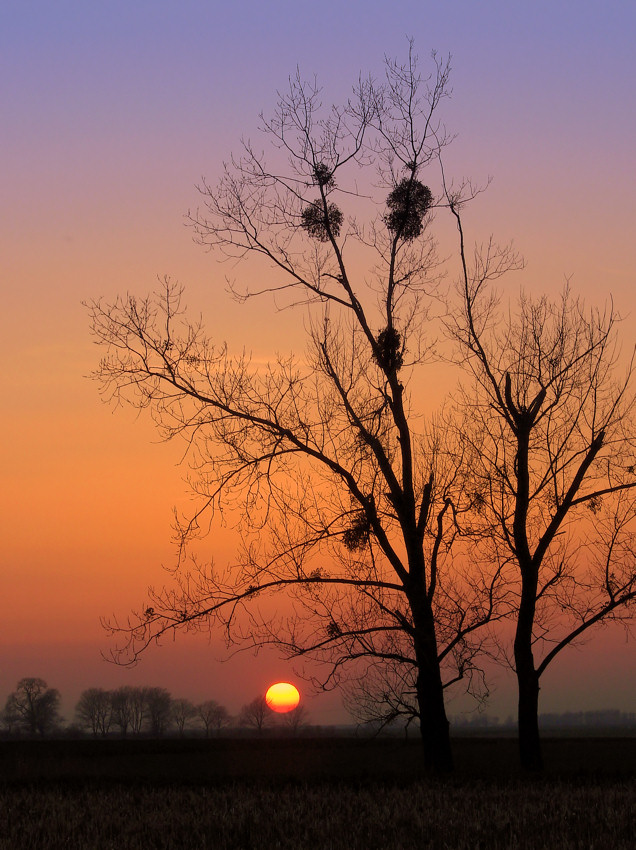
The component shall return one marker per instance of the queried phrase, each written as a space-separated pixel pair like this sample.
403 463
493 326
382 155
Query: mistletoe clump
333 629
389 355
408 203
321 223
357 535
323 176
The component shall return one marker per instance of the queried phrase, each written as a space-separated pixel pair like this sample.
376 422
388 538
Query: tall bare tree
548 423
332 454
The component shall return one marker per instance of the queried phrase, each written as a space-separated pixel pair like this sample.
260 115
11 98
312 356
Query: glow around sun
282 697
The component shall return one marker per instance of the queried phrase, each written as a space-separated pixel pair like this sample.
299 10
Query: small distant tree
122 708
10 718
94 711
296 719
138 709
255 714
33 707
213 716
158 710
181 712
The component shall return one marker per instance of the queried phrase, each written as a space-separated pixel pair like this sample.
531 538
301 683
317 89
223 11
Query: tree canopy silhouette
548 424
33 707
349 501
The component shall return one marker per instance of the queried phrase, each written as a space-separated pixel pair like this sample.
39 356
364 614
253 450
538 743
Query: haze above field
111 115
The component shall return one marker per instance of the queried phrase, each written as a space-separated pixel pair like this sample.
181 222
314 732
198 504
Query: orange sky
110 116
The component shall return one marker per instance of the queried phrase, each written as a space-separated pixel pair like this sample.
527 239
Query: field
316 793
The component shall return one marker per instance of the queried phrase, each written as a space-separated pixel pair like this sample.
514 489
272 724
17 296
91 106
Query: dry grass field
312 795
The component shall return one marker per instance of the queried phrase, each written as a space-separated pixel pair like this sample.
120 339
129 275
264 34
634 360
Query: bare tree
296 719
33 707
158 710
11 718
212 715
122 706
255 714
182 711
548 421
94 710
331 453
138 708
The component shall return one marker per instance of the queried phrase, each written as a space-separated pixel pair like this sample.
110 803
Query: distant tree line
609 718
135 710
33 710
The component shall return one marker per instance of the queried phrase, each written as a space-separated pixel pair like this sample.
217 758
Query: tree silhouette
212 715
122 701
94 710
33 707
296 719
182 710
548 425
158 710
255 714
334 454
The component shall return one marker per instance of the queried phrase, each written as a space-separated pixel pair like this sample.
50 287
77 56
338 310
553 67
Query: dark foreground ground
313 794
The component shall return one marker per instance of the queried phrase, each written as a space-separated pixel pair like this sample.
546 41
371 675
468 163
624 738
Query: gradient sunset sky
111 112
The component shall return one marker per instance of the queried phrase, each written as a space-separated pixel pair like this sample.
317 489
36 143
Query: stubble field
314 794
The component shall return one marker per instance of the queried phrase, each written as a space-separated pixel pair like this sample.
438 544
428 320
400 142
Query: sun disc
282 697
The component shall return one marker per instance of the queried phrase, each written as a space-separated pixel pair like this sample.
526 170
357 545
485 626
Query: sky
112 112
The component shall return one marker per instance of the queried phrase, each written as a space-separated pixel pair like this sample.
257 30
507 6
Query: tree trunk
527 678
527 681
434 725
529 740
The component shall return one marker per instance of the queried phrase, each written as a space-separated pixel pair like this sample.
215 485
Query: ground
313 793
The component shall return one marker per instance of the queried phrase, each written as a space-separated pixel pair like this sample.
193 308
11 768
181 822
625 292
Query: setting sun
282 697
